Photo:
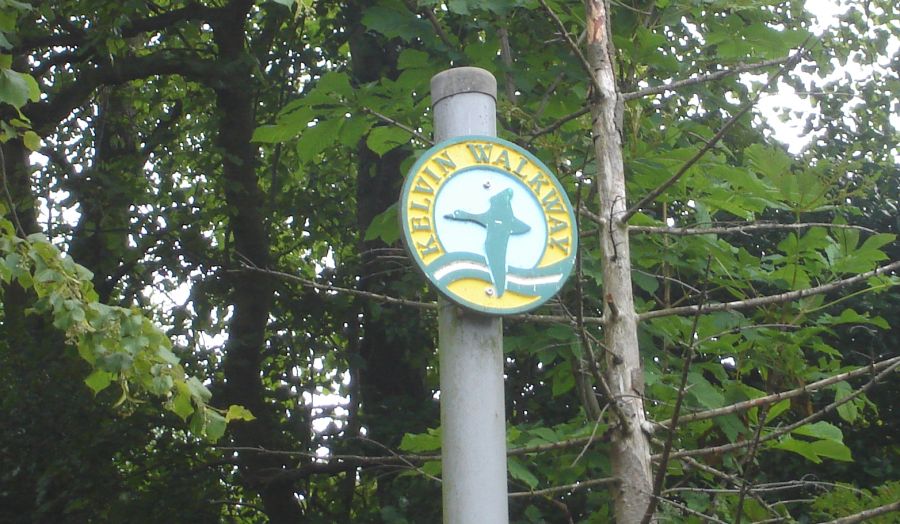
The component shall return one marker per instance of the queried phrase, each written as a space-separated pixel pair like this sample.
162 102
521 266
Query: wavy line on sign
455 266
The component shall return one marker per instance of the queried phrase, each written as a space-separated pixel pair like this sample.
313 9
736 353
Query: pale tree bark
630 445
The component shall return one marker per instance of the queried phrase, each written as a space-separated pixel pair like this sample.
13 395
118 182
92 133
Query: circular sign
488 224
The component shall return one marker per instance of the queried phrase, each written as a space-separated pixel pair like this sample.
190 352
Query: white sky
826 12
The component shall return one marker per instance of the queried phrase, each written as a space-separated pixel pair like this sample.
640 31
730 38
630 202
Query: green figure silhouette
500 224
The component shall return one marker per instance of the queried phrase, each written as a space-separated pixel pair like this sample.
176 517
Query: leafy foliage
224 178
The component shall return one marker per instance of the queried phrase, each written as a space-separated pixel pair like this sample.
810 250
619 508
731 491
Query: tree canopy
207 313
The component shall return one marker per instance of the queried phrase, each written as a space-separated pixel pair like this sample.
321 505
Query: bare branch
391 121
742 228
777 397
725 476
435 23
863 516
651 196
686 509
709 77
573 46
770 299
582 484
329 287
387 299
559 123
726 448
660 479
747 463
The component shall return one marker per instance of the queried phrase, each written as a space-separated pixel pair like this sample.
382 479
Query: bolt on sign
489 224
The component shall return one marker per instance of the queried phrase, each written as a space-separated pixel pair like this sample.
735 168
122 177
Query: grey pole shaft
473 417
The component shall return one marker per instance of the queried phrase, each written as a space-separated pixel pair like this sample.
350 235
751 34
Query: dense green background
191 150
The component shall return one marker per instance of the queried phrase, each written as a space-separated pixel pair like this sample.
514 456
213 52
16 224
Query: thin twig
730 478
725 448
747 464
770 299
863 516
777 397
743 228
329 287
651 196
582 484
591 438
678 84
686 509
573 46
558 123
672 86
395 123
660 479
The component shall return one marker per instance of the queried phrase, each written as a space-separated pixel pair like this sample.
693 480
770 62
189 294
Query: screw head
489 291
487 184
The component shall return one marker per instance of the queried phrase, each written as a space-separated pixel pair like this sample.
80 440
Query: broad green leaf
31 140
778 408
847 410
821 430
181 404
395 21
432 467
704 392
317 138
17 89
197 389
832 449
214 426
385 225
236 412
384 138
418 443
413 59
803 448
518 471
98 380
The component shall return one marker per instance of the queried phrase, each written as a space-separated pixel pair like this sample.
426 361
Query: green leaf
847 410
778 408
518 471
98 380
236 412
31 140
181 405
197 389
214 426
384 138
832 449
432 467
316 139
821 430
16 89
417 443
385 225
799 447
167 356
394 21
413 59
335 83
704 392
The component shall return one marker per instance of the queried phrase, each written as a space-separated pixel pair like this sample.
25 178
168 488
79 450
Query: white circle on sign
471 191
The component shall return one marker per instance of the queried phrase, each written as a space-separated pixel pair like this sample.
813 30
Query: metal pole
473 417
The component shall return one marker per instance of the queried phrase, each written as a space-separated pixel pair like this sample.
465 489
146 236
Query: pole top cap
462 80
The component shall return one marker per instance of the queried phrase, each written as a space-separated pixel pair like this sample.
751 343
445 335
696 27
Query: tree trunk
630 446
251 294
